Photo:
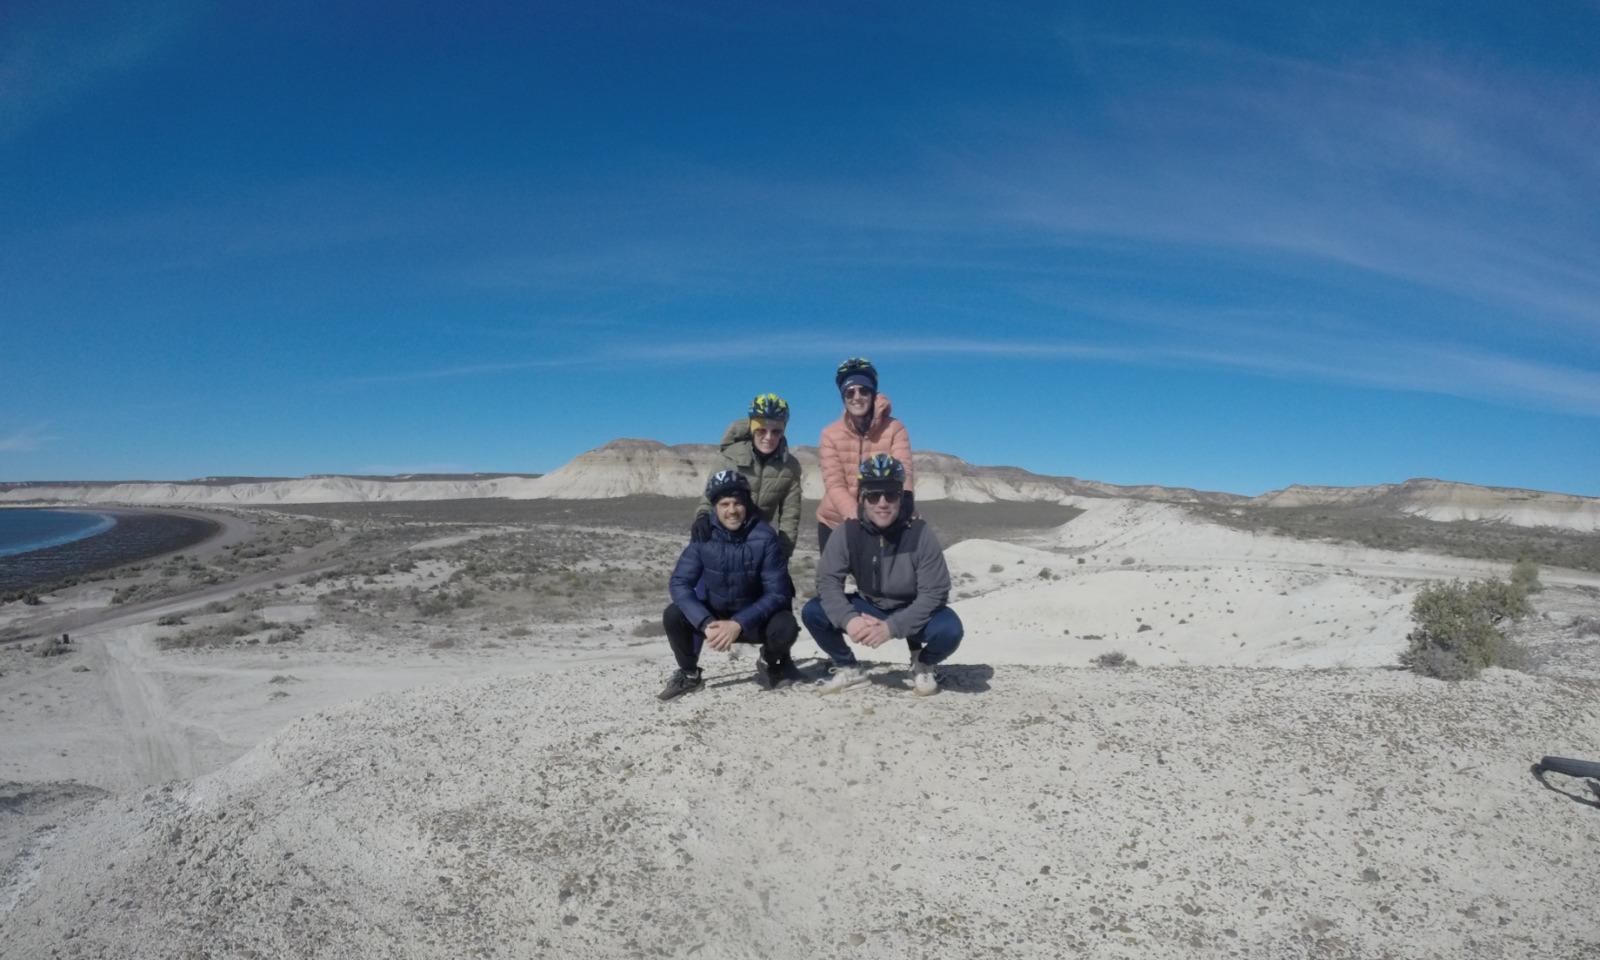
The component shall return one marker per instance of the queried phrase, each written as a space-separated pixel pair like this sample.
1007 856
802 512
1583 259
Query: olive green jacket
774 485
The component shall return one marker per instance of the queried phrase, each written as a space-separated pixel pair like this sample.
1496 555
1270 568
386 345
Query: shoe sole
681 693
827 689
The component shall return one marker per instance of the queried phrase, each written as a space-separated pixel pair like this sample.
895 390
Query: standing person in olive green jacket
757 448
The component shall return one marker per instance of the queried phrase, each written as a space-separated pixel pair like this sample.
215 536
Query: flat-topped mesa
1310 495
632 466
1447 500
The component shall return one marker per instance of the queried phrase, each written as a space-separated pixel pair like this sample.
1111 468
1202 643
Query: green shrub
1458 628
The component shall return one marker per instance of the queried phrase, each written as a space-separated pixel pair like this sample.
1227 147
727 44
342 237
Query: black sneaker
680 683
776 676
766 677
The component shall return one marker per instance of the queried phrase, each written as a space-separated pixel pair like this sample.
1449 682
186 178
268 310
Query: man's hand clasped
867 630
721 634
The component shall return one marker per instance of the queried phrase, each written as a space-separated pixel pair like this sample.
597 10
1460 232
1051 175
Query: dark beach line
136 536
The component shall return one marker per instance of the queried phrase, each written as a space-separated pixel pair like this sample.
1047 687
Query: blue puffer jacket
741 575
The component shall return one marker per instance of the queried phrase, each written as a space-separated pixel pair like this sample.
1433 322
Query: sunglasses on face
850 393
876 496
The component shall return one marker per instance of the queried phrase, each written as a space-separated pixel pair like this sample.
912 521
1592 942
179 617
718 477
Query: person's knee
672 618
782 629
946 628
814 616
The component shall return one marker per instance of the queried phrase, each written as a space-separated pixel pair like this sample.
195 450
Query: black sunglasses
874 496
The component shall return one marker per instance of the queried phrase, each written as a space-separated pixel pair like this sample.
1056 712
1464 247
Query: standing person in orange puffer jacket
866 427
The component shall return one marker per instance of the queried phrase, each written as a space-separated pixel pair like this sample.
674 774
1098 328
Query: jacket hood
882 409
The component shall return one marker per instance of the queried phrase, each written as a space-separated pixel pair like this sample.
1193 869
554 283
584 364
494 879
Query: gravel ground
1024 812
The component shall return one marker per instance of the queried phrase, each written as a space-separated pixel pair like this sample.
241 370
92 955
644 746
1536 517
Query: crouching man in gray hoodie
899 569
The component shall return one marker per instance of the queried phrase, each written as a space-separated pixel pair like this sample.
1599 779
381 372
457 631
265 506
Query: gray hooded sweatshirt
900 571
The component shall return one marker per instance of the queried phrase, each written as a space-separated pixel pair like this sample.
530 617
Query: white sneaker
842 678
923 682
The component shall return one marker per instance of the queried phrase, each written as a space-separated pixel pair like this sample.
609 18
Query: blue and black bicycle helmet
857 369
881 472
727 483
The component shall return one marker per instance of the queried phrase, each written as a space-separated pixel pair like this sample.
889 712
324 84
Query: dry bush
649 628
1583 626
1114 659
215 634
1525 576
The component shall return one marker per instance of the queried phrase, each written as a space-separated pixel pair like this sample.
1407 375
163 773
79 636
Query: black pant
776 636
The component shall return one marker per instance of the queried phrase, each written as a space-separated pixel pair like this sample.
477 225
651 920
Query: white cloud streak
51 62
24 440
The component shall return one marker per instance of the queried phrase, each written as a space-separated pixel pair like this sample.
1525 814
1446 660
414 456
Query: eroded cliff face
1446 500
634 467
627 467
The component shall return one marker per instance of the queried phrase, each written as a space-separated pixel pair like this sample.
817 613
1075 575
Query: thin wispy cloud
1424 171
65 51
24 440
454 371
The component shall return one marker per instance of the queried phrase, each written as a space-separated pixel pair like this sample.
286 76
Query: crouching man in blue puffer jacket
731 588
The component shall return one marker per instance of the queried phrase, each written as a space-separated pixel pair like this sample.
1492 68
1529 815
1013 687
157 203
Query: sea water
23 531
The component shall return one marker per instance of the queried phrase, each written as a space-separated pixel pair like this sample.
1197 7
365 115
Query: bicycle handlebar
1568 766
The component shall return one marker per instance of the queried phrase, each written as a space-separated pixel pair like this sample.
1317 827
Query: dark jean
776 636
935 641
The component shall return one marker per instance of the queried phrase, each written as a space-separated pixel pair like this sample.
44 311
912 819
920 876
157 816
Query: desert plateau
395 727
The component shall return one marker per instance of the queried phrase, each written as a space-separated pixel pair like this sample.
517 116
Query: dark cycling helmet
769 406
856 367
881 471
727 483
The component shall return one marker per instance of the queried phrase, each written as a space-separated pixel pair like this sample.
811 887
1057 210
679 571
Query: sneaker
842 677
923 682
680 683
790 672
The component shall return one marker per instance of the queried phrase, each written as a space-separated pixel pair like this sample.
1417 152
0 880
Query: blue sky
1232 246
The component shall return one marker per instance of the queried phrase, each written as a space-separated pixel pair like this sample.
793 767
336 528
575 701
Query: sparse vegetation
1388 529
996 568
215 634
51 648
1114 660
1525 576
1458 630
649 628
